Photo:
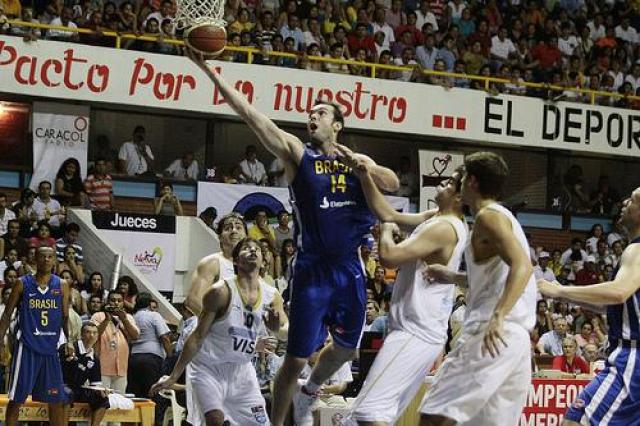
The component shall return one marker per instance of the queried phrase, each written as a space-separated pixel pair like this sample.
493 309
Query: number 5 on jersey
44 318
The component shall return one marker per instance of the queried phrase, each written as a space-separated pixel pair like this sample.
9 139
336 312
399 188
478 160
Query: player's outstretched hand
165 382
548 288
271 319
266 344
437 272
351 159
493 337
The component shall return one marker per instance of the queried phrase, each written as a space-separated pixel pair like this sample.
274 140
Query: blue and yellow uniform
613 397
328 287
35 368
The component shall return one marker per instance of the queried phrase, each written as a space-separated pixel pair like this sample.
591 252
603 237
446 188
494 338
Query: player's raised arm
215 300
383 177
425 243
497 228
623 286
283 145
385 211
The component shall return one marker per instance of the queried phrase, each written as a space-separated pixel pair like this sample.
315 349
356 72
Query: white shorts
231 388
480 390
395 377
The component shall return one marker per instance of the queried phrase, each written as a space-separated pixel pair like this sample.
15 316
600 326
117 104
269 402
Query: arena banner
548 401
76 72
60 132
245 199
435 166
146 241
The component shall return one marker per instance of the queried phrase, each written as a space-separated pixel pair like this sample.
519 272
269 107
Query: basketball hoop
195 13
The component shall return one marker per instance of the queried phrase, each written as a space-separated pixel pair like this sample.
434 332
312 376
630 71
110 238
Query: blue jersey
332 215
40 315
624 319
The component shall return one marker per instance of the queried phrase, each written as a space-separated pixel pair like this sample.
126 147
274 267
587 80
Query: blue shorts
613 397
326 293
37 375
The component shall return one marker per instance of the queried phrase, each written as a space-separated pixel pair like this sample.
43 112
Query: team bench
143 412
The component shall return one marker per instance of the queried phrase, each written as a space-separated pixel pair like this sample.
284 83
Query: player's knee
435 420
214 418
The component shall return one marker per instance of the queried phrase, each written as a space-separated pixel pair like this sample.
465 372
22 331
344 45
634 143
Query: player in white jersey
420 309
230 229
224 342
485 379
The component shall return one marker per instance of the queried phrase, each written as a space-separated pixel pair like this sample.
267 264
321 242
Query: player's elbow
619 295
388 260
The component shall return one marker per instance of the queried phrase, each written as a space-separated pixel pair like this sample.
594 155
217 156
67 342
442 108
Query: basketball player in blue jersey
332 217
613 397
43 307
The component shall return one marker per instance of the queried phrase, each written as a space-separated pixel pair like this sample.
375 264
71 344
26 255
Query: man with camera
115 328
81 369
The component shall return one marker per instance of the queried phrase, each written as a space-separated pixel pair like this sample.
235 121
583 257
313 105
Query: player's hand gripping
271 319
266 344
549 288
493 336
437 272
165 382
351 159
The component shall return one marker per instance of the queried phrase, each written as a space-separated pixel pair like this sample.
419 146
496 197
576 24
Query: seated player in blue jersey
331 218
613 397
43 310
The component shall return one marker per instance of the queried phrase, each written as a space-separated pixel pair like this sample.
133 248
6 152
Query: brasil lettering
330 167
43 304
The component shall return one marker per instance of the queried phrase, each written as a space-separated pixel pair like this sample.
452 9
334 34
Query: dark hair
133 288
337 112
88 285
6 271
75 183
210 211
3 195
72 227
140 127
142 301
26 193
243 242
86 324
228 216
490 170
114 292
43 182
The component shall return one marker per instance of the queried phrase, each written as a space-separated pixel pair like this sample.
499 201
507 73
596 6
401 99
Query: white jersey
487 280
226 266
232 338
422 308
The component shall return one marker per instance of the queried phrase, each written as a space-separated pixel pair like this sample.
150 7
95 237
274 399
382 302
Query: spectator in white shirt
634 77
596 27
46 208
574 253
616 234
5 214
626 32
64 20
165 12
615 73
185 168
313 35
567 42
426 16
501 46
252 169
135 156
551 342
380 25
542 270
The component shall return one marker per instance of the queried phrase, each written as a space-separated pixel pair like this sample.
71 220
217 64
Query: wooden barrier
143 412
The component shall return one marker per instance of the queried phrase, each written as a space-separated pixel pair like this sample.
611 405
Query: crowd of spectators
568 43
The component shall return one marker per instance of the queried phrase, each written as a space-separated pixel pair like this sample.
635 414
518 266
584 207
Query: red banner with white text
548 401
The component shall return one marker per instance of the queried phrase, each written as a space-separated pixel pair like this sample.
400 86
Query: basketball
206 39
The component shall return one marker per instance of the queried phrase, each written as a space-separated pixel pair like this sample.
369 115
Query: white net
197 12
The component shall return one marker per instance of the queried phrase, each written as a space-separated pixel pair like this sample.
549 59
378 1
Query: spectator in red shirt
361 40
588 274
99 187
483 36
43 237
570 362
546 53
416 33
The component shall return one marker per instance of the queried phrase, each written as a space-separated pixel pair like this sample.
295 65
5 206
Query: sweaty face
250 255
232 232
321 126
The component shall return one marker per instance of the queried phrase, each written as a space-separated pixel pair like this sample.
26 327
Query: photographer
167 203
81 369
115 329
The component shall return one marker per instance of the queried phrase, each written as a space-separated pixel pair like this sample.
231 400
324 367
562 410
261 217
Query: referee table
142 413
